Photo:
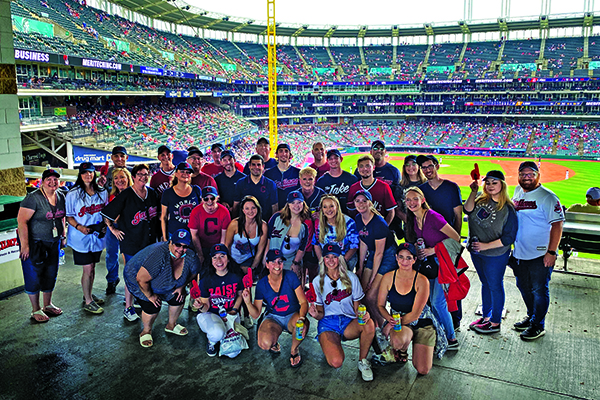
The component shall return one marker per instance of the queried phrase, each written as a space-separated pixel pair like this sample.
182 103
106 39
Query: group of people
377 248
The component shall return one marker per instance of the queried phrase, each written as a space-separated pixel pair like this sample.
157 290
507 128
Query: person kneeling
286 305
338 298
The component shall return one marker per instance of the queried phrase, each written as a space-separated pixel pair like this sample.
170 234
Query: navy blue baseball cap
263 140
410 158
219 249
365 193
209 190
334 152
332 248
119 149
86 167
182 236
274 254
283 146
217 145
424 158
50 172
378 143
227 153
194 151
494 174
162 149
407 246
183 166
529 164
295 195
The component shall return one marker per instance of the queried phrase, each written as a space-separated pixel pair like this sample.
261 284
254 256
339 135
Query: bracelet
77 226
235 309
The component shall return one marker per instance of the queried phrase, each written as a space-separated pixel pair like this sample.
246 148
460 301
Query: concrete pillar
12 179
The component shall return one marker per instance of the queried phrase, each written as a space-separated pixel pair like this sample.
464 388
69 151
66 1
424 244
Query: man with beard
384 171
383 200
199 178
263 149
215 168
226 180
161 180
258 186
541 217
337 181
285 175
320 164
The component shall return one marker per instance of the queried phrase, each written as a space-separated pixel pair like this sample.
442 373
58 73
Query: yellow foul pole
272 74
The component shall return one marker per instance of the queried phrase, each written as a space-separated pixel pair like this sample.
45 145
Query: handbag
234 342
429 267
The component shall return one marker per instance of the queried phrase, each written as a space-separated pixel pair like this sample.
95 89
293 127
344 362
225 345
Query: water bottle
61 257
299 329
420 245
474 239
397 321
362 310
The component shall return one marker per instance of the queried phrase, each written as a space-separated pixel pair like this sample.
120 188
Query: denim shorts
334 323
388 261
281 320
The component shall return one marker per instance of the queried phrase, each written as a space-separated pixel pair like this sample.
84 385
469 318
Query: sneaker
211 349
130 314
477 322
111 287
486 328
533 332
364 366
95 299
453 345
93 308
522 325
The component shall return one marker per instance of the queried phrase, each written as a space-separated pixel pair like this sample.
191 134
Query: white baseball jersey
86 211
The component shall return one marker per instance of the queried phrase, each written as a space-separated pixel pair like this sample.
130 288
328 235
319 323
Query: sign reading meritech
86 154
32 55
100 64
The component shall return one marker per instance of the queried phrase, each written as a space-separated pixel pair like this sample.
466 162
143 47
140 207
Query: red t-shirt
203 180
213 170
320 170
209 226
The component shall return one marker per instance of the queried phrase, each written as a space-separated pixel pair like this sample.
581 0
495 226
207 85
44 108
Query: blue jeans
491 274
532 280
112 256
41 278
439 306
388 261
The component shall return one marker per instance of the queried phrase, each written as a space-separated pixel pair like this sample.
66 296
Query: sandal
293 358
146 338
177 330
276 349
402 356
51 309
42 314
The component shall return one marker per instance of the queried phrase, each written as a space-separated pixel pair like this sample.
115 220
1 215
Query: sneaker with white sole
533 332
93 308
486 328
211 349
453 345
130 314
364 366
476 322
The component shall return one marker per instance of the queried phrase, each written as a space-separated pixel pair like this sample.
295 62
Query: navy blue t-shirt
268 165
339 187
265 192
286 302
376 229
286 181
226 186
221 291
180 208
314 201
443 199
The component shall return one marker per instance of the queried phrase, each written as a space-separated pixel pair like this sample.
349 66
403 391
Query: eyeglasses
142 175
527 175
180 245
208 199
286 239
430 166
334 286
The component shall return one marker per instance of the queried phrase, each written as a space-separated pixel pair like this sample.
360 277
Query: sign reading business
28 55
95 156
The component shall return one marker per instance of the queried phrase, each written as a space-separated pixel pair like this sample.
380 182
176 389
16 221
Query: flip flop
178 330
276 349
41 313
402 356
146 338
53 310
294 357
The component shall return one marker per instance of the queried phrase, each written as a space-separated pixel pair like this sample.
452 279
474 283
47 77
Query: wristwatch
552 253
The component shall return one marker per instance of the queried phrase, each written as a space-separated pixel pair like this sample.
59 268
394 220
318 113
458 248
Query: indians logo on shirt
525 205
363 232
335 189
93 209
276 233
283 298
183 210
341 295
558 208
143 215
287 183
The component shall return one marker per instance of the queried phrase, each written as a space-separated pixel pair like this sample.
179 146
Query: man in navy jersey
336 181
161 180
215 168
226 180
383 199
263 149
285 175
320 164
258 186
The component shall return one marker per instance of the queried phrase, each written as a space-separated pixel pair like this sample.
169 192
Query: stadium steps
508 138
485 137
333 62
304 63
580 146
532 138
362 55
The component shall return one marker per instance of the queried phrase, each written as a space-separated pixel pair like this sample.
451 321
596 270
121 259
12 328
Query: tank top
402 303
243 248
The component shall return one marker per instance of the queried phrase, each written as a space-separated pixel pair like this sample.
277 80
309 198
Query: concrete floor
83 356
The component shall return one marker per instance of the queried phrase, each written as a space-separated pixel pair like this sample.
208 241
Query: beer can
362 310
299 329
398 321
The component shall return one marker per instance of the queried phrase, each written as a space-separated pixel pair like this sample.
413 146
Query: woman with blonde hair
338 228
412 176
492 229
339 293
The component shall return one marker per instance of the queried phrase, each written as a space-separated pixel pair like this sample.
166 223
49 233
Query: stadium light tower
272 75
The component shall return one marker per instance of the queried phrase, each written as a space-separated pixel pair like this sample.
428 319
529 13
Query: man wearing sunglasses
208 223
540 217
